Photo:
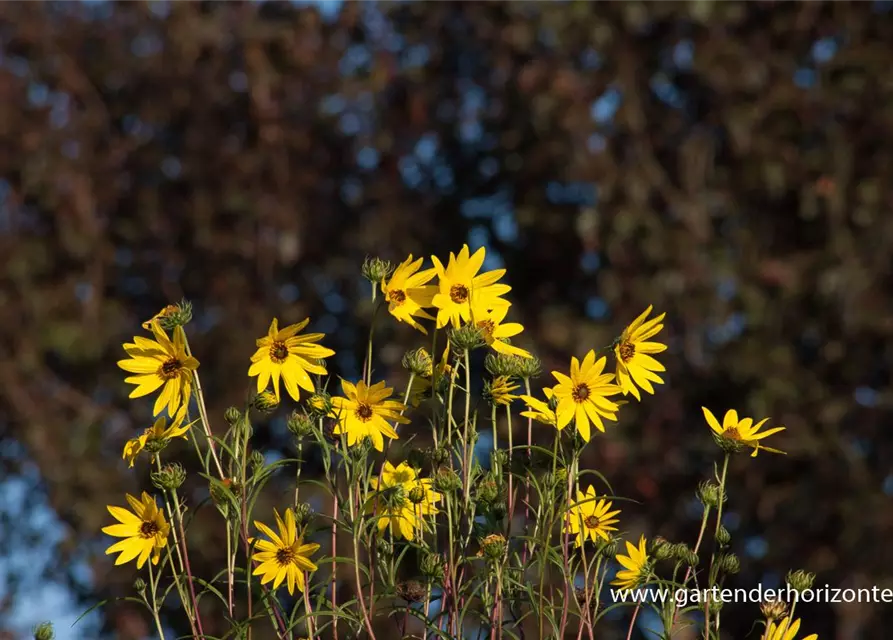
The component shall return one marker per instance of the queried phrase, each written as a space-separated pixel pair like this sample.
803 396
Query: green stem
154 586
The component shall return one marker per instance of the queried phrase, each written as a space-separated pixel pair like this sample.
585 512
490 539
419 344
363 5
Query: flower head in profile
635 366
459 285
542 412
282 353
733 433
364 412
408 293
499 391
402 500
162 315
495 332
144 530
160 363
422 384
784 629
157 435
583 396
283 556
591 518
635 566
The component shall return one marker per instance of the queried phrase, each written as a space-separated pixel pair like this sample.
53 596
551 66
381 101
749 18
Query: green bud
232 416
499 458
729 563
303 513
384 547
499 364
419 362
257 460
710 494
498 510
393 496
432 566
529 368
493 546
265 402
487 491
715 605
691 559
169 478
300 424
175 315
417 495
661 548
320 404
411 591
438 456
723 536
139 585
375 269
679 551
44 631
800 580
446 480
608 549
774 609
467 338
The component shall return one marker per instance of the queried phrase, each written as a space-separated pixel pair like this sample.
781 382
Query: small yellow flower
635 368
284 556
403 500
407 293
743 432
500 391
161 362
784 630
284 354
582 396
540 411
494 331
364 411
144 530
160 431
635 570
591 518
459 285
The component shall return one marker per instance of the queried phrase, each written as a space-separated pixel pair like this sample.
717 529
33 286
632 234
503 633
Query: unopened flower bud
729 563
375 269
139 585
299 424
529 368
800 580
774 609
320 403
303 513
661 548
715 605
438 455
419 362
170 477
266 402
432 566
446 480
608 548
257 460
710 494
487 491
44 631
691 559
232 416
723 536
500 364
466 338
383 546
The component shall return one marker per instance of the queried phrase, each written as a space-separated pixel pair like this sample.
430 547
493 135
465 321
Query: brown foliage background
710 159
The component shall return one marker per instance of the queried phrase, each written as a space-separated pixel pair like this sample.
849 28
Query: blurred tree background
728 162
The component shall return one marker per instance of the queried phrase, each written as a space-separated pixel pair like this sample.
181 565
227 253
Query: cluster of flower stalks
439 540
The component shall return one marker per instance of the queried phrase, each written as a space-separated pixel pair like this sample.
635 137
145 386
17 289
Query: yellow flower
422 384
284 556
407 294
144 531
160 362
460 286
582 397
784 630
741 432
635 368
591 518
500 391
403 500
542 411
283 353
494 331
635 570
158 432
364 411
164 313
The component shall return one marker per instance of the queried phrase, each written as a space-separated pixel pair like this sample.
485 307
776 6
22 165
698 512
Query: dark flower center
591 522
459 293
148 529
732 433
397 296
364 412
580 392
286 556
627 351
278 352
488 326
170 368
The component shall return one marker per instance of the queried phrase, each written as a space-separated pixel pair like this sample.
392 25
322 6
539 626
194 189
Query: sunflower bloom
161 362
542 412
364 412
402 500
407 293
582 396
144 530
591 518
785 630
744 432
284 354
494 332
159 433
635 367
459 285
499 390
635 566
283 556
